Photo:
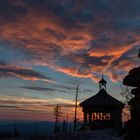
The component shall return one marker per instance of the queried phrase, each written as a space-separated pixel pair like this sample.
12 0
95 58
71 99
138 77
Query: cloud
10 70
39 88
81 39
64 87
59 87
33 108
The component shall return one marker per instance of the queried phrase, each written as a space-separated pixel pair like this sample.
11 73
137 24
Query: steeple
102 83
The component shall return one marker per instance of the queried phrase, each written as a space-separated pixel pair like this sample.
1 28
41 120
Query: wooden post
75 114
85 118
90 118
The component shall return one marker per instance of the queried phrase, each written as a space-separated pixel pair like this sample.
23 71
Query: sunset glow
47 47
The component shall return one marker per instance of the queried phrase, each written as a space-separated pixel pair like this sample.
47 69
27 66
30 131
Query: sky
47 47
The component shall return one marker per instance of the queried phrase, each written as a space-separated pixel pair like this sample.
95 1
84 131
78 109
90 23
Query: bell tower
102 83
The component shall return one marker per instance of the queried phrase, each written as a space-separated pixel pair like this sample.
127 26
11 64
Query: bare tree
126 93
57 115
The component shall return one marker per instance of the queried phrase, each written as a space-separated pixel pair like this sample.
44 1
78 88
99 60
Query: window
101 116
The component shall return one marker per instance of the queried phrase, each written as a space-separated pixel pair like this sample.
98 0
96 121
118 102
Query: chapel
102 110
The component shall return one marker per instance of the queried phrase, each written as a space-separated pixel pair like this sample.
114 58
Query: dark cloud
9 106
2 62
39 88
60 36
58 89
67 105
78 37
87 90
9 12
91 60
86 60
9 70
65 87
127 56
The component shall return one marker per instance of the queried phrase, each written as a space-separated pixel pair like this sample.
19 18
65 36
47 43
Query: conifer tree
57 115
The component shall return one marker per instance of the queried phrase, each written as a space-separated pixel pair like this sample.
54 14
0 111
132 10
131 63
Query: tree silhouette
126 93
57 115
64 126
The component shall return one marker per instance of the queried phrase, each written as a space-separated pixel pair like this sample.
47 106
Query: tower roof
101 98
102 81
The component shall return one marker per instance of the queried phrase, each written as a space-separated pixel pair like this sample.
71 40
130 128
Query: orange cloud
10 70
46 37
21 108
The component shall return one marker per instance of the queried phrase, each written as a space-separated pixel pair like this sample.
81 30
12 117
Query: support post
90 118
75 114
85 118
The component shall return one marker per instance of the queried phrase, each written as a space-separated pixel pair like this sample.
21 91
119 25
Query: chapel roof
101 98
